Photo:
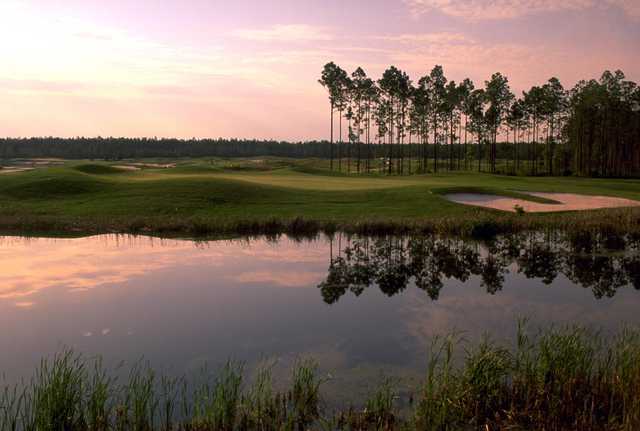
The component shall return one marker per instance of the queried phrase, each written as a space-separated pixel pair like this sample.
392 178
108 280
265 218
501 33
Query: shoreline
482 224
197 199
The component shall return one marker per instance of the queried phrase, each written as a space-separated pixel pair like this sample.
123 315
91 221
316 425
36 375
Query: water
362 307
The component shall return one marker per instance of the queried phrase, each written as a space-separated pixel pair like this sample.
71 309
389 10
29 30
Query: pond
363 308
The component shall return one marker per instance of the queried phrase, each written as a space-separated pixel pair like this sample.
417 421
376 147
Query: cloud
477 60
63 54
629 7
41 86
443 37
285 33
92 35
476 10
80 265
281 278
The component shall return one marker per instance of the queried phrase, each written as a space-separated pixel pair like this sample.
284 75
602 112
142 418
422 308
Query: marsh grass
481 225
567 377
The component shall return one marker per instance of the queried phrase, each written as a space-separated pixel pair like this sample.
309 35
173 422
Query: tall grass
477 224
561 378
558 378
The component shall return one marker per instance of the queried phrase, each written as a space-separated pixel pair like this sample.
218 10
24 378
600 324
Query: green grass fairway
212 196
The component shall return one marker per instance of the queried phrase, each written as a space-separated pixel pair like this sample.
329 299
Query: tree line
116 148
112 148
395 125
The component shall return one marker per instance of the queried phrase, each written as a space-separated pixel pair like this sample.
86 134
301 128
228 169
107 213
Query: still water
362 307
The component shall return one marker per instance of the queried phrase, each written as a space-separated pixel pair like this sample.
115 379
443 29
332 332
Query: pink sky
208 68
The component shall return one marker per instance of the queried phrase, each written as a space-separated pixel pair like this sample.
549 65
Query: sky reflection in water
181 304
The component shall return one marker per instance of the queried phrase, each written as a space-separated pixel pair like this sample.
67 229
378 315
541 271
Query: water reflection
181 304
30 266
601 263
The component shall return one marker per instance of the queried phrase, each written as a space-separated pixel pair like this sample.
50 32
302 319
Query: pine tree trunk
340 144
466 164
331 142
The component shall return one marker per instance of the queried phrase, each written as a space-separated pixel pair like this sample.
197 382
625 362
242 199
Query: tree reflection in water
600 262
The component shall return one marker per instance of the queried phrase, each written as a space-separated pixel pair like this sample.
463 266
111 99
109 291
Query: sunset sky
208 68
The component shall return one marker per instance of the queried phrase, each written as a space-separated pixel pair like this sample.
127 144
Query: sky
250 68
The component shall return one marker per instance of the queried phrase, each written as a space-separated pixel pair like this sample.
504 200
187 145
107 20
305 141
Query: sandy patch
14 170
567 202
154 165
138 166
47 162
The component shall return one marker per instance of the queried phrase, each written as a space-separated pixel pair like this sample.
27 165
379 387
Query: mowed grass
94 196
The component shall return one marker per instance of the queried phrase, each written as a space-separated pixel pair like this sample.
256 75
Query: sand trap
12 170
567 202
127 167
153 165
139 166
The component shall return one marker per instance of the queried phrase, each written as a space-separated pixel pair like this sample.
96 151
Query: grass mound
253 166
305 169
193 169
96 169
46 187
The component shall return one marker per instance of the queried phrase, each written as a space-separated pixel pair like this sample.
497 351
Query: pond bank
478 223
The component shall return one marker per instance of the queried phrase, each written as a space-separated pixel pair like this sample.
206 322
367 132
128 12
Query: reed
481 225
566 377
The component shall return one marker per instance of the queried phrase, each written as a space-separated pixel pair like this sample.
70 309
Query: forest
112 148
591 130
118 148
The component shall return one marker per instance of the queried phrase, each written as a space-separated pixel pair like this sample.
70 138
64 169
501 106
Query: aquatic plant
567 377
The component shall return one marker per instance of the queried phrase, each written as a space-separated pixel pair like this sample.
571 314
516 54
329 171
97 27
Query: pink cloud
83 67
285 33
630 7
38 86
438 38
509 9
284 278
30 267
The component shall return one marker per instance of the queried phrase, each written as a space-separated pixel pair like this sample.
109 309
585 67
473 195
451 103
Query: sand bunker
127 167
566 202
12 170
153 165
139 166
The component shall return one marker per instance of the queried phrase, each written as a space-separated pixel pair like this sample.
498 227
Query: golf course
193 197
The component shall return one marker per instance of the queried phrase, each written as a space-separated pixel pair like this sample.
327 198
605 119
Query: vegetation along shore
557 378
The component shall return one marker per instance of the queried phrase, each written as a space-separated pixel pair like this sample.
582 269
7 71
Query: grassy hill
203 196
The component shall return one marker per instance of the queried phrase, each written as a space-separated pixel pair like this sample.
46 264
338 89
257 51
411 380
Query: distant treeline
121 148
128 148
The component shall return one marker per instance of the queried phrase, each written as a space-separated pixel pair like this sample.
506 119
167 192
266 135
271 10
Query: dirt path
567 202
